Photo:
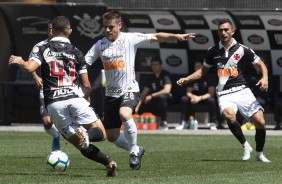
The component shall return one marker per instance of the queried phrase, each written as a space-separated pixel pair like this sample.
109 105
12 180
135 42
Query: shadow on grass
210 160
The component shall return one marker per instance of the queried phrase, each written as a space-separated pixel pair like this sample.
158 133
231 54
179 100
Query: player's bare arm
86 86
28 66
37 80
194 76
263 82
167 37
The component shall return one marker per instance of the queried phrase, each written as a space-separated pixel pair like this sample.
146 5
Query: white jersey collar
233 43
61 39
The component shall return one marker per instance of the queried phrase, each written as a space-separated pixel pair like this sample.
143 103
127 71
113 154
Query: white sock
122 142
53 131
246 144
130 132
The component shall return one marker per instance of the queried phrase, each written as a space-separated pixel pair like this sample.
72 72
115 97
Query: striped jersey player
117 51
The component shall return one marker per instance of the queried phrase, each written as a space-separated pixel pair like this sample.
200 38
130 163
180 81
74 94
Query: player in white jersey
232 90
49 127
117 51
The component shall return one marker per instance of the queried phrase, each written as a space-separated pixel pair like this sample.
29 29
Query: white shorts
67 115
243 100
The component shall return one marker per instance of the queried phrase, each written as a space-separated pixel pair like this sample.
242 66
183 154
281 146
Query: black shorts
112 105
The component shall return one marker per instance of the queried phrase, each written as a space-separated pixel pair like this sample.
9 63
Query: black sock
260 139
235 128
95 134
94 153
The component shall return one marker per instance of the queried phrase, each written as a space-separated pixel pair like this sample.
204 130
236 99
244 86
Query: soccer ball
58 161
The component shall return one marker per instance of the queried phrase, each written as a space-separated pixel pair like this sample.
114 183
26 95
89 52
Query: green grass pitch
168 159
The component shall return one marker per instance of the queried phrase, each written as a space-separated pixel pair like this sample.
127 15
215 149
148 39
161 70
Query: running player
117 51
49 127
63 70
232 90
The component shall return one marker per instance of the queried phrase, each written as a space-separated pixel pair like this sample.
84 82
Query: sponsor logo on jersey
231 90
60 54
114 90
35 50
113 65
226 72
62 92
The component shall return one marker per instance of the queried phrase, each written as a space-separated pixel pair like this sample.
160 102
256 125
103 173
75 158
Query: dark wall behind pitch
24 25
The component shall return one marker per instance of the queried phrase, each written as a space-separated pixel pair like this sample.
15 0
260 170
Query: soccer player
49 127
117 51
232 90
63 70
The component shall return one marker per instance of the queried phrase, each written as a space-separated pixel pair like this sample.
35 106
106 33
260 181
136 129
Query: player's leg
259 122
127 107
68 115
49 127
112 123
251 108
228 108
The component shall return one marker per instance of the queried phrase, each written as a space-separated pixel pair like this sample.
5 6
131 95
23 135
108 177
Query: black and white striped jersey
118 58
61 63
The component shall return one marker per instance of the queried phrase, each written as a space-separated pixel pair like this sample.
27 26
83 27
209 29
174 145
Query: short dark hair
112 14
158 59
60 23
223 21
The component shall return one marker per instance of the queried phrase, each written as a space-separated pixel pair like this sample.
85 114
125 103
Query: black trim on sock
94 153
95 134
260 139
235 128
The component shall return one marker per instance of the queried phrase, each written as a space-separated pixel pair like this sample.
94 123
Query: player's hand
38 82
15 60
182 81
185 37
263 84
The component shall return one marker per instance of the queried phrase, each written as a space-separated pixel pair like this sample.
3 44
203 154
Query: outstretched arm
167 37
27 66
194 76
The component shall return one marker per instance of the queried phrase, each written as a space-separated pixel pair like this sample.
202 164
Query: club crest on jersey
236 56
120 45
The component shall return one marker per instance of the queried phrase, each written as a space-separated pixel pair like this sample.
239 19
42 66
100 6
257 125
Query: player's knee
229 116
96 134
